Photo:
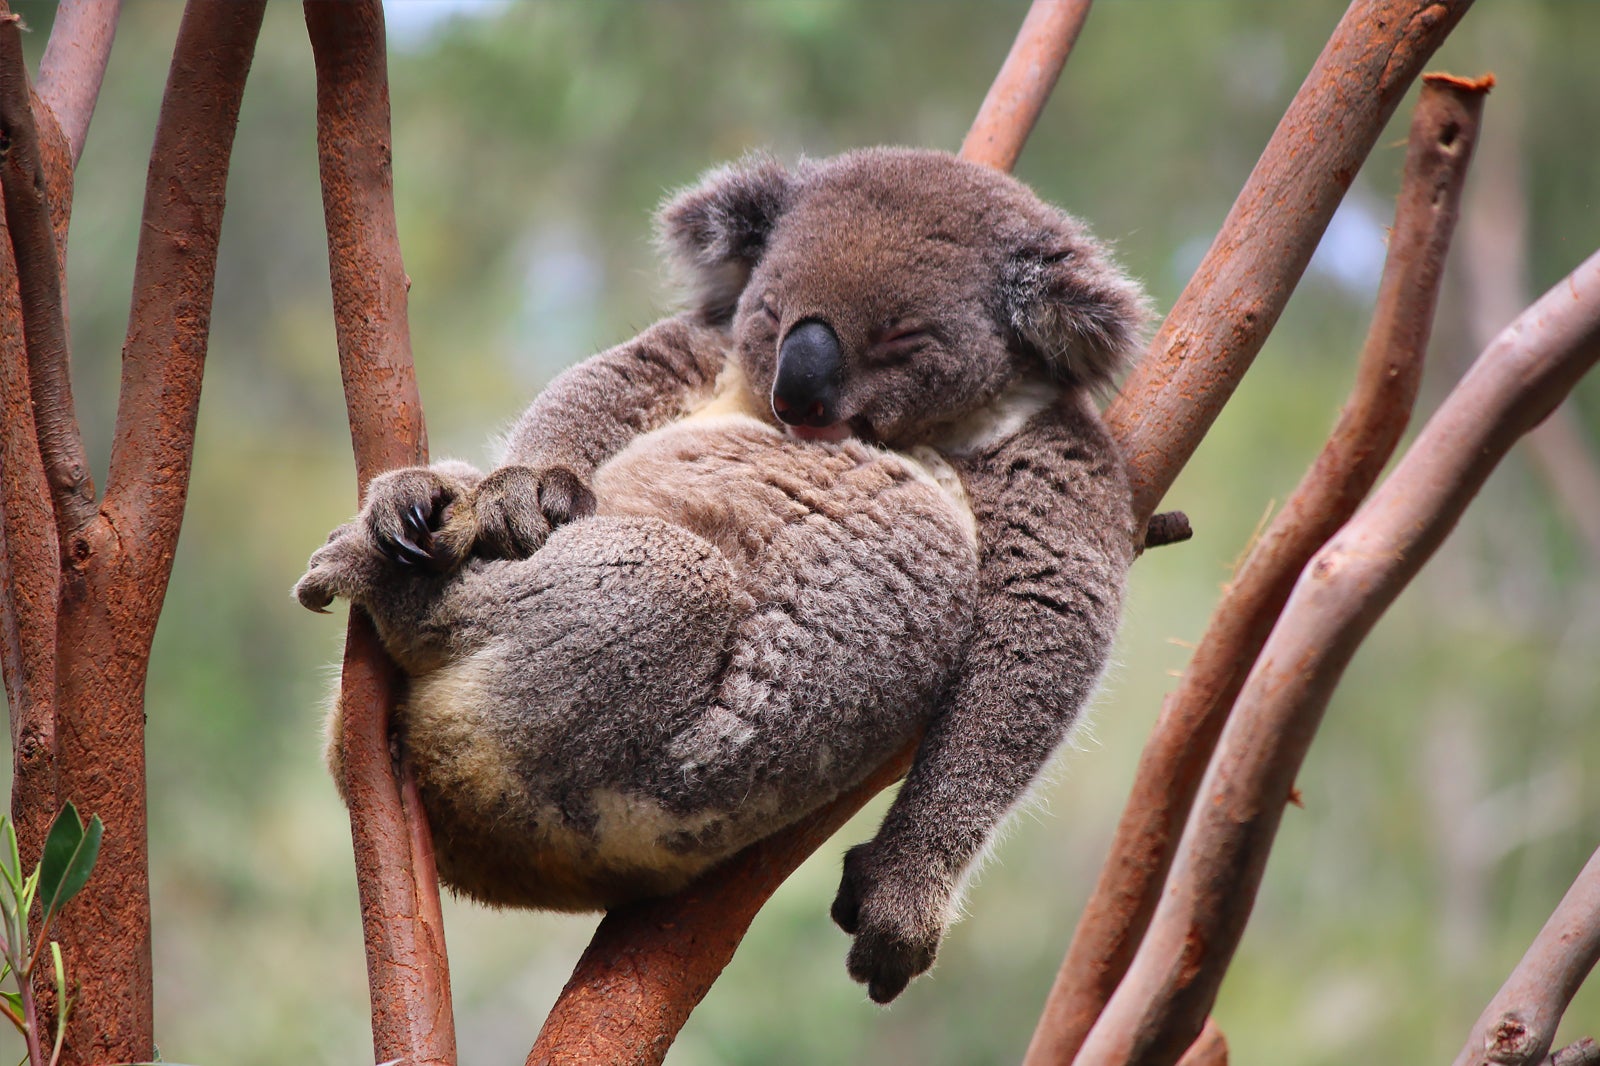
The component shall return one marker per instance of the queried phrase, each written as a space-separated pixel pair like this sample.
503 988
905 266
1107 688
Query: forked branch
35 254
1162 1002
1443 133
117 564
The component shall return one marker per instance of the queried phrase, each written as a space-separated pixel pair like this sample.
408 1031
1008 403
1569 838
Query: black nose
810 368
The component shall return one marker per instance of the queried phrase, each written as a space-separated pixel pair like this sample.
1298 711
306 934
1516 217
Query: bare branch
1161 1003
1230 305
1443 132
1025 82
1210 1048
649 965
117 565
74 64
30 578
407 969
1584 1052
1518 1026
35 254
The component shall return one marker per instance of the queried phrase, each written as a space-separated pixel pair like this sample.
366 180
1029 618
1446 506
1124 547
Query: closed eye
901 342
770 311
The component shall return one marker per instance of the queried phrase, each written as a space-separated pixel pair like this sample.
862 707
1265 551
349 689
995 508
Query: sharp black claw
406 553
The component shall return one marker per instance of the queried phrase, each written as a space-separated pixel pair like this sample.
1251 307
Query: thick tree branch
36 257
1518 1026
117 565
1230 305
74 64
407 970
1160 1005
1025 82
1443 132
30 578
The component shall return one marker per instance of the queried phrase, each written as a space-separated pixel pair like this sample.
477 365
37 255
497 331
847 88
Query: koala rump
857 493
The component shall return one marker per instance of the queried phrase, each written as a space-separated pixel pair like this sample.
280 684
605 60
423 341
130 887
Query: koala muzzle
810 372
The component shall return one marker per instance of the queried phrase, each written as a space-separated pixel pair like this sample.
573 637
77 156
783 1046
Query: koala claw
412 545
405 514
896 925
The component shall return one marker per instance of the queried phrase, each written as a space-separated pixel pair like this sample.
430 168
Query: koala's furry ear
714 232
1065 299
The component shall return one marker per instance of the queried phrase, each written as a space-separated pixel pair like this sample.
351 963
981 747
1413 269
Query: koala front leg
1052 510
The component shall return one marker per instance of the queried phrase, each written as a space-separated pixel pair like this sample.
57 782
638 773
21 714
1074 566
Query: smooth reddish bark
1162 1002
407 969
117 565
1443 133
1025 82
1224 314
1519 1025
74 65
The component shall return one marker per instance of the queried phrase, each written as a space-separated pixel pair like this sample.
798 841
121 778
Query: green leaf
11 859
69 855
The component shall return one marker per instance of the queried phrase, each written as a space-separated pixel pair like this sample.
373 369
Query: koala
855 496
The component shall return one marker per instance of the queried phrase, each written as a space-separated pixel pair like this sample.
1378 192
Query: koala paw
515 508
334 569
406 516
897 915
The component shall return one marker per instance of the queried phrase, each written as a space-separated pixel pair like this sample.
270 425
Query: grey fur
748 623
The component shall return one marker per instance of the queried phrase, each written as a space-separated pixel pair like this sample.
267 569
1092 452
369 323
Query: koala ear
715 232
1063 298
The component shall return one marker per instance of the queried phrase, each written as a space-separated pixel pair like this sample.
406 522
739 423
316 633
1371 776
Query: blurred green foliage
1446 801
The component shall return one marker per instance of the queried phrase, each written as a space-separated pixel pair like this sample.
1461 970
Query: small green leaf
11 859
69 855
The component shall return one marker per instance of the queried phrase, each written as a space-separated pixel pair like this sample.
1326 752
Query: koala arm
1052 508
433 518
590 412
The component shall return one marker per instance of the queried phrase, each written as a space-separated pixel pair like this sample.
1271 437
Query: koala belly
747 626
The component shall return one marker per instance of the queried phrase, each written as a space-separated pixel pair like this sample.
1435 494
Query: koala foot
897 913
345 566
515 507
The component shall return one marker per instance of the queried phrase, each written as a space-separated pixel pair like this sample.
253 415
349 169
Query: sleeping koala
858 493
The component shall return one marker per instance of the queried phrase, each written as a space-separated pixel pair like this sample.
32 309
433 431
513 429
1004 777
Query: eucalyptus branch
1444 130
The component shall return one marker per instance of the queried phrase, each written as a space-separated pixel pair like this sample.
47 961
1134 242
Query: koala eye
900 341
770 311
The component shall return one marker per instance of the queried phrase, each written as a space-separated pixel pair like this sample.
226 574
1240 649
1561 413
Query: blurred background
1447 805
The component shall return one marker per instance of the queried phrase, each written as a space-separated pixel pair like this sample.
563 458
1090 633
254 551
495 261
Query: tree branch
117 564
1025 82
1443 133
1519 379
1210 1048
74 64
407 969
1230 305
37 260
1519 1024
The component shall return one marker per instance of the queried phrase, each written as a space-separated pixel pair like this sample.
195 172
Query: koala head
887 292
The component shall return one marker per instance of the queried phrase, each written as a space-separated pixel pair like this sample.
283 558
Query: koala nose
810 366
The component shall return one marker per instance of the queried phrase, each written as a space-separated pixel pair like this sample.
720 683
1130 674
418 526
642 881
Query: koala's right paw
406 515
515 508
